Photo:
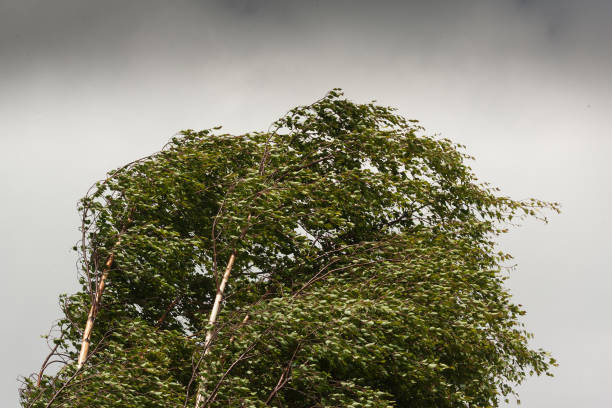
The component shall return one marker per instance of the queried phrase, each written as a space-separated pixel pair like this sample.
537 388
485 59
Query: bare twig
242 357
285 375
44 365
168 310
79 368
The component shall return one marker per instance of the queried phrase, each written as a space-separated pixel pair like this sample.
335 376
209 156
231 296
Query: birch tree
341 257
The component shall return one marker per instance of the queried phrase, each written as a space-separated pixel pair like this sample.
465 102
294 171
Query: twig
285 375
44 365
168 310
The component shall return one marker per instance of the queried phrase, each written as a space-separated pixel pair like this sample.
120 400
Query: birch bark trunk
93 311
228 269
97 301
213 318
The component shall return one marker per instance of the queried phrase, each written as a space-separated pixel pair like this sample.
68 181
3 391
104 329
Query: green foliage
365 265
430 327
135 366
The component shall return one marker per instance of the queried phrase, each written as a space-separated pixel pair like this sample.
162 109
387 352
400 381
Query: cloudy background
86 86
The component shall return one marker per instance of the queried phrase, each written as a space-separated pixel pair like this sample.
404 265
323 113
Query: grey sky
86 86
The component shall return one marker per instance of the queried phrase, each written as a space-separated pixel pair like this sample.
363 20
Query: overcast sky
86 86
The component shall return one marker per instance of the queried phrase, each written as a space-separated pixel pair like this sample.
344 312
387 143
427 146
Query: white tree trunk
93 311
213 318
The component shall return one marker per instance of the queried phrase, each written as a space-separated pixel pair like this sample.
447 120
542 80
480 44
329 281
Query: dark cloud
33 30
76 39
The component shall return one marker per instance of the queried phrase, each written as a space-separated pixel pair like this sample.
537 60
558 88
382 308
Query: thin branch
215 390
168 310
44 365
79 368
285 375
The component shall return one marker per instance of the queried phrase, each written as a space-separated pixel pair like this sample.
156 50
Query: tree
341 258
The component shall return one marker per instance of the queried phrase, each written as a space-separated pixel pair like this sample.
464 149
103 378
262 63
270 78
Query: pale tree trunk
220 290
215 310
93 311
97 300
213 318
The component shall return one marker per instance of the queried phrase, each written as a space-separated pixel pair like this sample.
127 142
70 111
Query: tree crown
365 263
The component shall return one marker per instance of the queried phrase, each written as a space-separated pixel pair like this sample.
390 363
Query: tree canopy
350 257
